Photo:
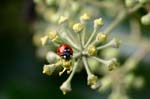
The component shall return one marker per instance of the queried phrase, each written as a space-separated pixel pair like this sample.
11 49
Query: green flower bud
146 19
85 17
92 79
92 50
62 19
78 27
111 64
98 23
101 37
97 85
44 40
130 3
53 36
66 87
48 69
139 82
143 1
52 57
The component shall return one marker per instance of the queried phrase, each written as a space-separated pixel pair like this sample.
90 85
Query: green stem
86 66
73 71
135 29
100 60
109 44
91 37
122 15
116 22
83 36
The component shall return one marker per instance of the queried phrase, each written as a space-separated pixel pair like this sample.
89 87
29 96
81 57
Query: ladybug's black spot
67 54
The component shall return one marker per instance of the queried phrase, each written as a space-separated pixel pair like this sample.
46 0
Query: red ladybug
65 51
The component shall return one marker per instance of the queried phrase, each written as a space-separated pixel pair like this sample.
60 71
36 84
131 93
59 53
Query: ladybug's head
65 51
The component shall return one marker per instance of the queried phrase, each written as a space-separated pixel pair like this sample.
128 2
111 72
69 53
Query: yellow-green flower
111 64
44 40
78 27
98 22
92 79
53 36
48 69
92 50
62 19
85 17
65 87
101 37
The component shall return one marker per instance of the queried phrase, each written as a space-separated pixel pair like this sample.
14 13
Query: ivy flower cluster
84 45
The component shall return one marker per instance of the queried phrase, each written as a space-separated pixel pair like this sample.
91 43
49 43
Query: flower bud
44 40
111 64
129 80
66 63
97 85
48 69
49 2
115 43
98 23
62 19
92 79
92 50
53 36
85 17
65 87
146 19
101 37
130 3
138 82
106 83
78 27
143 1
52 57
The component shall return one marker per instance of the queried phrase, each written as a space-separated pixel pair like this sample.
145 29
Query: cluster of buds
75 45
122 78
145 19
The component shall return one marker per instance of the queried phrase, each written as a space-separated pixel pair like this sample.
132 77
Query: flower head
83 47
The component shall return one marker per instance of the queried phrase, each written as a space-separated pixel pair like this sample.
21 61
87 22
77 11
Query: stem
100 60
73 71
135 8
65 36
123 14
83 36
116 22
86 66
106 45
135 29
80 40
91 37
135 58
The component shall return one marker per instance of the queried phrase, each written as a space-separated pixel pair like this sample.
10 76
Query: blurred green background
20 70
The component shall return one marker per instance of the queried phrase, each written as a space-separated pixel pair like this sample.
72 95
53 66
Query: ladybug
65 51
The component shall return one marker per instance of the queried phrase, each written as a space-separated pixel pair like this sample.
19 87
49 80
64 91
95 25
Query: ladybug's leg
60 73
69 70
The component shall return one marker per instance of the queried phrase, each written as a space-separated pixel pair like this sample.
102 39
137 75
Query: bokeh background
20 69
